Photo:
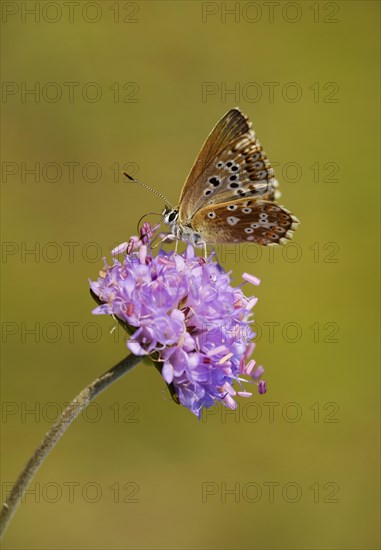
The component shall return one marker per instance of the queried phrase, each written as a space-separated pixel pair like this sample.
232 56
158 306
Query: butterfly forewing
227 130
231 165
244 220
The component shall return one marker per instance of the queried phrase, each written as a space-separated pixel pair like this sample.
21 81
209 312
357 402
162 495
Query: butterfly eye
249 230
229 164
220 164
246 210
208 192
232 207
172 216
211 215
258 165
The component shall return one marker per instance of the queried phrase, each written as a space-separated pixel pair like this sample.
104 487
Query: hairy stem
71 412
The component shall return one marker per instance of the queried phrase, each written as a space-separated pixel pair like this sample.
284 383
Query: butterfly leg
164 237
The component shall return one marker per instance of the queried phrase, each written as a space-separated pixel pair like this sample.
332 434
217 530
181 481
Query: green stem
67 417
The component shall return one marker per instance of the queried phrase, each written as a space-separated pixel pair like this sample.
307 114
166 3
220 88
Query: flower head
183 311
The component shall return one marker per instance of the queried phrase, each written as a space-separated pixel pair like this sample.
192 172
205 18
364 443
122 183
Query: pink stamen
225 358
244 393
119 249
258 372
251 303
143 254
249 350
229 402
249 367
262 388
219 349
229 389
251 279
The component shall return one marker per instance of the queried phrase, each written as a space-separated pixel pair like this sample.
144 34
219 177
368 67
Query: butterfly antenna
149 189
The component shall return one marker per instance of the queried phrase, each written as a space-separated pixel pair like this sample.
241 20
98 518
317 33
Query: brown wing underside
230 165
245 220
227 130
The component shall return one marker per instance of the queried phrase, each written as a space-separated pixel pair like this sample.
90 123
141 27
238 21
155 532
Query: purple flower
183 309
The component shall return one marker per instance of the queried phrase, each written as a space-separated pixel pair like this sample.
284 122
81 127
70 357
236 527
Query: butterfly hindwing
245 220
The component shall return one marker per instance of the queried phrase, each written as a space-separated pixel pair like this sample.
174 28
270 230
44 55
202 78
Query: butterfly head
179 230
170 215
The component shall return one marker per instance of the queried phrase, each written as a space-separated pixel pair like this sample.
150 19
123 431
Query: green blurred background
302 460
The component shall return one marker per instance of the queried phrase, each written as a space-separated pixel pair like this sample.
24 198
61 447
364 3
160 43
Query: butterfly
229 195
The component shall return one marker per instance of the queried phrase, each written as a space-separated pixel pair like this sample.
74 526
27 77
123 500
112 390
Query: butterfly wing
230 165
245 220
